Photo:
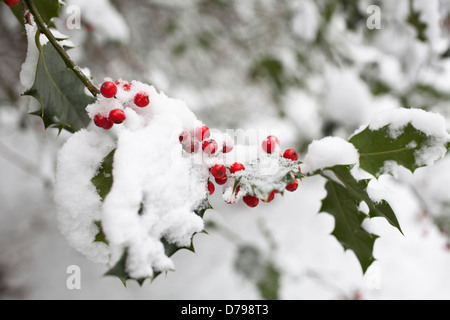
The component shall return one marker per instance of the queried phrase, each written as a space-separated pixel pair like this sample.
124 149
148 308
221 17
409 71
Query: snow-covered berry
235 167
271 196
270 144
117 116
227 146
251 201
103 122
234 199
291 154
127 87
211 188
184 136
108 89
141 100
292 186
192 147
202 133
209 146
274 138
219 171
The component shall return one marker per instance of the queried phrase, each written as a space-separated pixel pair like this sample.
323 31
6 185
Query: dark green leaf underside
343 206
358 190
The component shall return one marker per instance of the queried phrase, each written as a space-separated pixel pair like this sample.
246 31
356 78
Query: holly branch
43 28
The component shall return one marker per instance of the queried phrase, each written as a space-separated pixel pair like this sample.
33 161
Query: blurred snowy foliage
307 68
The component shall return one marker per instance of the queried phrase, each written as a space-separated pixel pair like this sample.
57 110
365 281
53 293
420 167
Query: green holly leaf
48 9
251 263
170 249
119 271
272 69
344 207
103 180
60 92
377 148
358 190
415 21
270 282
205 205
100 237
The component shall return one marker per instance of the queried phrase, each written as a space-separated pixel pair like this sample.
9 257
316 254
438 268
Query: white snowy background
207 53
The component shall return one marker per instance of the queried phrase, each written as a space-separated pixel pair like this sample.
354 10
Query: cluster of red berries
12 3
200 137
269 145
117 116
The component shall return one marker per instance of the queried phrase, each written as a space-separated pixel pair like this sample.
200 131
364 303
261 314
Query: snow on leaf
201 209
119 271
268 173
411 148
417 23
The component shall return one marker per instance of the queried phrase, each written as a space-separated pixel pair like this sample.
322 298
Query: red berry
221 181
235 167
141 100
192 147
270 144
219 171
108 89
12 3
211 188
117 116
227 146
209 146
277 141
251 201
103 122
271 196
238 188
202 133
292 186
127 87
184 136
291 154
109 125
